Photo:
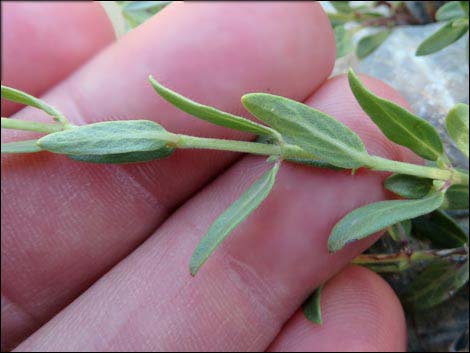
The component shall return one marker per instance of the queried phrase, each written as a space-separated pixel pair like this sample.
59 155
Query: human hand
73 233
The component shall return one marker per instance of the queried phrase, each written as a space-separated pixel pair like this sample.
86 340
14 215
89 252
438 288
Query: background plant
298 133
348 19
137 12
383 16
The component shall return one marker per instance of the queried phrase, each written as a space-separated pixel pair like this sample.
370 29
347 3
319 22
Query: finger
65 223
361 313
254 282
43 42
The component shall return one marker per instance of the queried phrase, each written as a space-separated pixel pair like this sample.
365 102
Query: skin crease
48 28
62 256
265 270
253 271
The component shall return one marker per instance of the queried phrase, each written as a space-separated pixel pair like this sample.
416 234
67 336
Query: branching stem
27 125
398 262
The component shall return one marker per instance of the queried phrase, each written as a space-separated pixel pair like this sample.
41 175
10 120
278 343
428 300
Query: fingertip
360 313
43 42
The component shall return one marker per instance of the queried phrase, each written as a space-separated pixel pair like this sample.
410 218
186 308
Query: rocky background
432 85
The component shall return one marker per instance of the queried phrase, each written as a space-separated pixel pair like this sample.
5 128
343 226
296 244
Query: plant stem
293 152
452 175
398 262
287 151
17 124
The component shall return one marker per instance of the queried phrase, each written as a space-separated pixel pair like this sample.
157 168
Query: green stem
398 262
452 175
293 152
17 124
287 151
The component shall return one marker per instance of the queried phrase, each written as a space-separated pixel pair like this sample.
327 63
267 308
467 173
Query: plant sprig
294 132
347 20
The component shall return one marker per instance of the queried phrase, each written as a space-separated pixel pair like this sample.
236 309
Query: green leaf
456 198
457 126
370 43
124 158
112 137
310 129
153 6
465 6
312 307
232 217
340 18
207 113
342 6
408 186
437 283
450 11
374 217
18 96
27 146
136 18
314 163
344 44
444 37
400 231
398 124
442 230
137 12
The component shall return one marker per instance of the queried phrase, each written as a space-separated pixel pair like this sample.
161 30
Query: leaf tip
194 266
152 80
351 72
420 51
333 245
352 77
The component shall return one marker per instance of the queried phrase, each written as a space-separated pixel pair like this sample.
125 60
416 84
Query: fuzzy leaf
310 129
18 96
465 6
27 146
456 198
337 19
442 230
124 158
398 124
231 217
314 163
370 43
450 11
437 283
408 186
106 138
457 126
153 6
400 231
342 6
312 307
207 113
374 217
344 44
445 36
136 18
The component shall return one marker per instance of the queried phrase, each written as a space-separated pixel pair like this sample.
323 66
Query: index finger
43 42
66 223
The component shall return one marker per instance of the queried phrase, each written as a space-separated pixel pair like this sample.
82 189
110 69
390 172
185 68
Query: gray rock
432 85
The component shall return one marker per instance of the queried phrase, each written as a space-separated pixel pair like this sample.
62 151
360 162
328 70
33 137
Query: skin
95 257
